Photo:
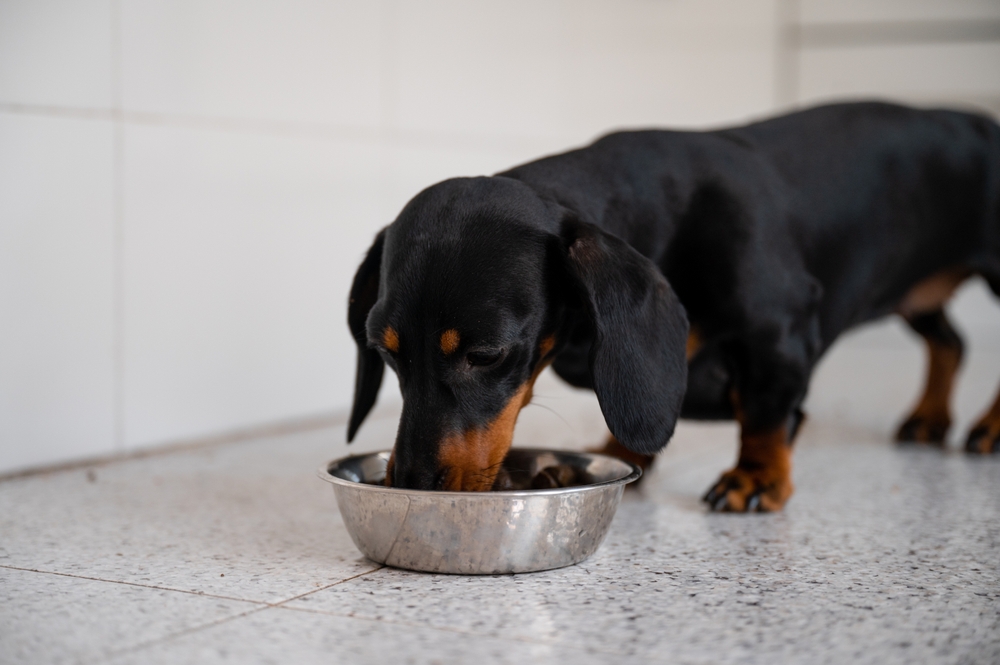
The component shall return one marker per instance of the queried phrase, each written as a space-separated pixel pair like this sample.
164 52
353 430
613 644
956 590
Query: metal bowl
481 533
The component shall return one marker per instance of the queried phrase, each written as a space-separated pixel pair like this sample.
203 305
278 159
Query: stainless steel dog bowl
481 533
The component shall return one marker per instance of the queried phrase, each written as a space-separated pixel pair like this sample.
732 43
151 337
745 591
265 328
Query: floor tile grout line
187 631
280 603
200 594
445 629
217 622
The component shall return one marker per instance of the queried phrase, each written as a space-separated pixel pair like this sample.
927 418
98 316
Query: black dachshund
691 274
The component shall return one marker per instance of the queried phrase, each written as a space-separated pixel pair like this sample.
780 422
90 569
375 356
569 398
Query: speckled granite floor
236 553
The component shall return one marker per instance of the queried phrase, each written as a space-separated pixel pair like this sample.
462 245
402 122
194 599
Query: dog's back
886 196
874 198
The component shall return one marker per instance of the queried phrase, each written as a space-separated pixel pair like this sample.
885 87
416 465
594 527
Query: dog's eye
484 358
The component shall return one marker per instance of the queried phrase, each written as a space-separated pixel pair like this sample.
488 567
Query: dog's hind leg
984 437
931 418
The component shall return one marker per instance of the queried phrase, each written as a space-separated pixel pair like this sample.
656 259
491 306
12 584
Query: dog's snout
416 477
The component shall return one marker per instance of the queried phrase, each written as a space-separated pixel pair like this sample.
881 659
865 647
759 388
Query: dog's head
471 292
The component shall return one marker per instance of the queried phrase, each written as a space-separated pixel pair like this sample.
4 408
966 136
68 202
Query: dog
677 274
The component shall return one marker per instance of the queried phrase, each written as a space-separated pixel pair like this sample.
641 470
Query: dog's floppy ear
637 358
364 293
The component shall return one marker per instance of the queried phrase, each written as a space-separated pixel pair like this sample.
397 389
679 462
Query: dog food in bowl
548 509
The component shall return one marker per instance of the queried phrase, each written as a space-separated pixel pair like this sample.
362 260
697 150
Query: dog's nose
417 477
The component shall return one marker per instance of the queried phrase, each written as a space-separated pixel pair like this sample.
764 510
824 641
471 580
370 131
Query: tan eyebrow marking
449 340
390 338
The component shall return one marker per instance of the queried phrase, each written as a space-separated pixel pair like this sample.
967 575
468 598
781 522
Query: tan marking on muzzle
473 458
449 341
390 338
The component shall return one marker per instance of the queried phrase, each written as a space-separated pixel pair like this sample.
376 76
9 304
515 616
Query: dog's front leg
762 478
772 365
614 448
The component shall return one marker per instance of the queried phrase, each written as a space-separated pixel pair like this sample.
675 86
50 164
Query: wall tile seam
182 445
404 138
843 35
237 435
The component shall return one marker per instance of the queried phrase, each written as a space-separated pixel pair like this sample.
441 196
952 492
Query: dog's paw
984 439
924 429
744 491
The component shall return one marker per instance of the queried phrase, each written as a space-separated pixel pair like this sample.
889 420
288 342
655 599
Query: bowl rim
324 474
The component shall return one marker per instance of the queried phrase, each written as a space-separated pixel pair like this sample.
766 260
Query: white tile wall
576 69
918 72
266 142
239 252
56 52
296 60
976 312
56 290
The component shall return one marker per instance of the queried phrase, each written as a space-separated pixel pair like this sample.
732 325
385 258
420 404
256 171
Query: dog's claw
710 496
982 441
972 443
717 496
917 429
907 431
738 491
